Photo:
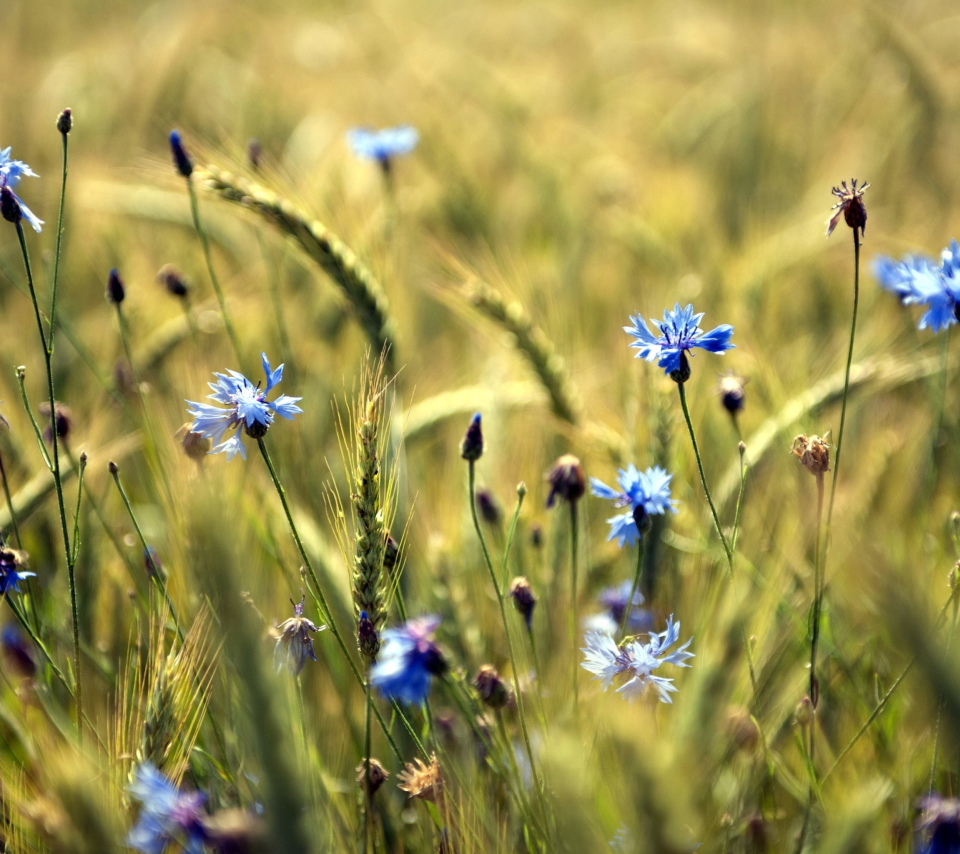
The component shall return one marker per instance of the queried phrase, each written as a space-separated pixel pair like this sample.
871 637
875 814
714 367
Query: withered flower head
488 506
422 781
813 453
850 205
523 598
64 419
378 776
172 279
491 687
294 644
731 391
567 480
195 445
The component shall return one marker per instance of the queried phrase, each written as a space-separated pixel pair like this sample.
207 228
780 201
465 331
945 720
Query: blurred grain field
587 161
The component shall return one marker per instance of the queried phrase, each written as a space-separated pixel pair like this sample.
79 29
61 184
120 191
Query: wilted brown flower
491 687
523 598
294 644
567 480
378 776
195 445
813 452
850 205
422 781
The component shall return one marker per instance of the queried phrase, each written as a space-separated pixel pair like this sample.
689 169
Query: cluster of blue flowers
919 280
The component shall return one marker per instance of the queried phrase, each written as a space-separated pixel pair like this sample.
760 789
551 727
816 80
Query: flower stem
703 477
633 590
574 628
204 243
815 632
58 482
6 493
56 257
326 614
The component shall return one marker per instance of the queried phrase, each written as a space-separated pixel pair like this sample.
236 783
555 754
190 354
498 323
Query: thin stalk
21 379
471 479
574 629
846 379
58 482
703 477
743 483
815 632
198 226
56 257
633 590
76 514
6 493
368 802
326 612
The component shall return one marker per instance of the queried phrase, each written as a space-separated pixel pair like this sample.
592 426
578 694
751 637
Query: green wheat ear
331 254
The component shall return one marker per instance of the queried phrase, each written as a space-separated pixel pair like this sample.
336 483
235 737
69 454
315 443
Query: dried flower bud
65 121
490 686
523 598
471 448
9 206
567 480
850 205
180 158
378 776
254 152
813 453
195 445
731 392
63 417
488 506
422 781
116 292
172 279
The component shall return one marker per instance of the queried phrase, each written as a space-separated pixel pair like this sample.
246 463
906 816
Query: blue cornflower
679 332
634 662
11 560
10 173
408 659
918 280
168 815
614 602
645 493
938 826
383 145
247 408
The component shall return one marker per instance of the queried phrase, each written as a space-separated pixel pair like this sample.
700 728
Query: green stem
743 484
6 493
846 381
815 634
56 257
703 477
227 322
326 612
574 627
21 380
58 482
633 590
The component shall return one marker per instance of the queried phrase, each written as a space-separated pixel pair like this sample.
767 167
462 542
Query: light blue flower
644 493
10 173
247 409
918 280
679 332
383 145
633 663
168 815
408 660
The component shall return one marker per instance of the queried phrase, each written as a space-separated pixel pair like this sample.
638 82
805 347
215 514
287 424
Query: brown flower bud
567 480
813 453
491 687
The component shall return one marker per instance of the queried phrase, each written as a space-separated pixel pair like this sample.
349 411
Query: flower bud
471 448
804 712
195 445
731 392
65 121
490 686
377 777
180 158
172 279
116 292
536 535
488 506
567 480
63 418
813 453
523 598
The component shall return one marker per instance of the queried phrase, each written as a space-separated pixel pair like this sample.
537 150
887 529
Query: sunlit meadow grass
577 164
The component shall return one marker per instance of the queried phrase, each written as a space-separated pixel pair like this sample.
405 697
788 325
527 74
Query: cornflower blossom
167 814
247 409
10 173
408 659
383 145
918 280
644 493
11 561
679 333
633 663
614 602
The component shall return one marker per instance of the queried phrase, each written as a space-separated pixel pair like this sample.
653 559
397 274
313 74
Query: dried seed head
491 687
523 598
813 453
567 480
378 776
172 279
850 205
65 121
422 781
116 292
195 445
731 391
471 448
